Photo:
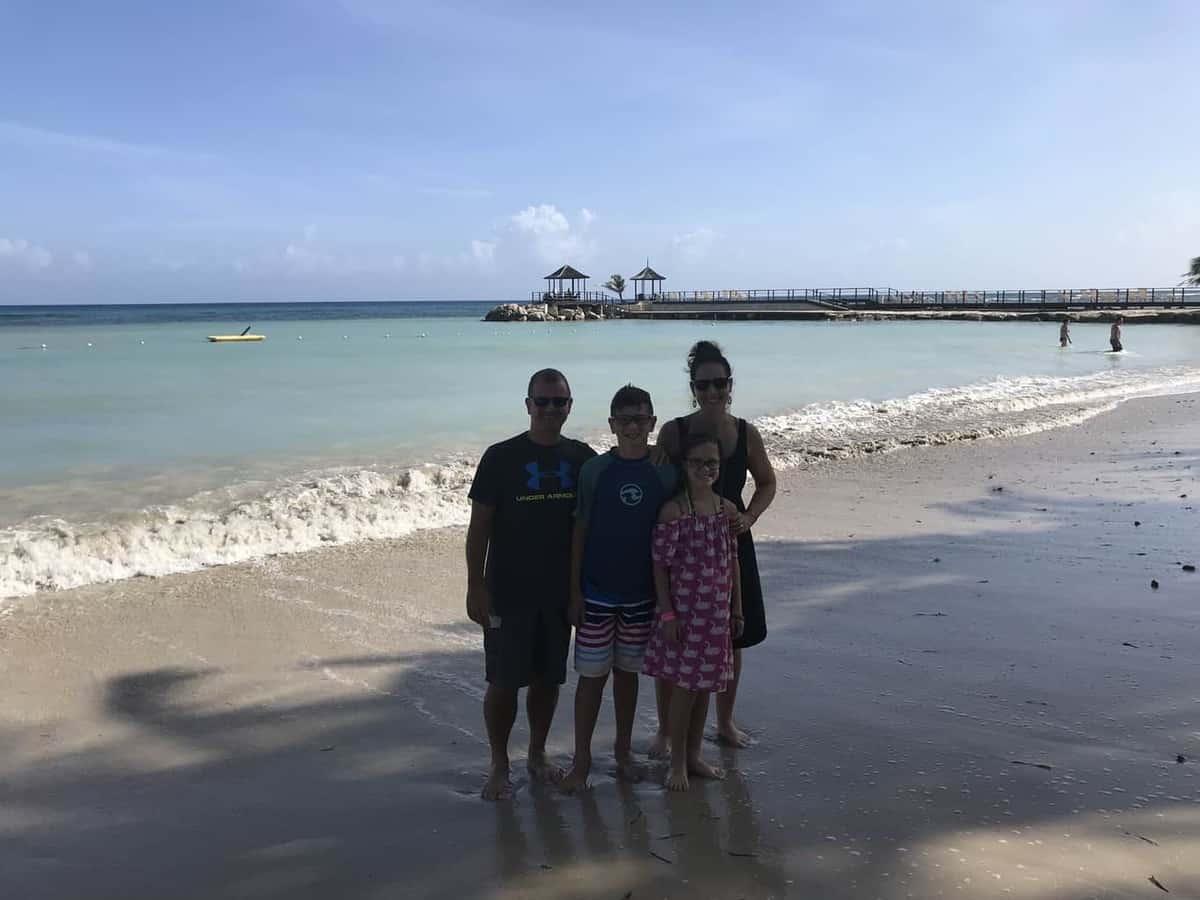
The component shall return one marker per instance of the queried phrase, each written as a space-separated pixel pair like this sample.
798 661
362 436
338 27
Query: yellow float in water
243 338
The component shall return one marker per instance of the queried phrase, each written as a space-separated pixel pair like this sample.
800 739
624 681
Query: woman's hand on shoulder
738 521
671 510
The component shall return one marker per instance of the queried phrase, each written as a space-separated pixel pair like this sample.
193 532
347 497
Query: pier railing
1074 298
570 297
768 295
858 297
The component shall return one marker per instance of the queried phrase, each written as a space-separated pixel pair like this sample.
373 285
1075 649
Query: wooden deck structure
888 298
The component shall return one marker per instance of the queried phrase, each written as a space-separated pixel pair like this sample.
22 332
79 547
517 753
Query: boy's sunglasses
703 384
626 421
556 402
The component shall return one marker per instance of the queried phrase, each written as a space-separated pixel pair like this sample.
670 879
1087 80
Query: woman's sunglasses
556 402
703 384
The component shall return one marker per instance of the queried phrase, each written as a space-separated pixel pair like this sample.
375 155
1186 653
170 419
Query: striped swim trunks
615 633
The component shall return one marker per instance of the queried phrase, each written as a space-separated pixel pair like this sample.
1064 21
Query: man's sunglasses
703 384
556 402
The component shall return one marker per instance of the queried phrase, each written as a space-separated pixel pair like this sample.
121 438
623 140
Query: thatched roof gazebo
647 276
556 289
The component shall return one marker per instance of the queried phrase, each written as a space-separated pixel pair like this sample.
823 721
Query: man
1114 335
518 573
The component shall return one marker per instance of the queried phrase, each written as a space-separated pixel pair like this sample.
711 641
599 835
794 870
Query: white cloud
483 252
541 221
695 245
307 259
32 136
82 259
174 264
456 193
551 234
20 252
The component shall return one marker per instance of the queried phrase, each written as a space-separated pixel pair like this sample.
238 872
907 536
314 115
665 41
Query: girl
698 589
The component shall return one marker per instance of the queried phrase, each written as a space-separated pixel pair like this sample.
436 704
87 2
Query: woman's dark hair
706 352
696 439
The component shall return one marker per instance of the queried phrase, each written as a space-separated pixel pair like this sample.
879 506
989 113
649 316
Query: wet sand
970 689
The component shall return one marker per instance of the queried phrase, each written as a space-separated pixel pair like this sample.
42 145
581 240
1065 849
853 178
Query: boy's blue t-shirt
619 500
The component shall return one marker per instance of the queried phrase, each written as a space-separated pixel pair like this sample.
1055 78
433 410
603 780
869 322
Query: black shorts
528 646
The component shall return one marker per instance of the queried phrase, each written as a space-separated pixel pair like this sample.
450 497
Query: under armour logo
566 479
631 494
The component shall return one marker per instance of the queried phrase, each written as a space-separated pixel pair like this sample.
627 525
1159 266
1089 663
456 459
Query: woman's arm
764 477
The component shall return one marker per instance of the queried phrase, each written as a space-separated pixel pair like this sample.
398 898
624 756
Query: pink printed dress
699 552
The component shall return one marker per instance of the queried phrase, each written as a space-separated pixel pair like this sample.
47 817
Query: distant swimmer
1114 335
1064 333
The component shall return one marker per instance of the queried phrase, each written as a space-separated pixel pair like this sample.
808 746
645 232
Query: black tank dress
730 485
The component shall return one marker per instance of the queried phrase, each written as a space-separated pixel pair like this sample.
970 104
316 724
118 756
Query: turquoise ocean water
131 445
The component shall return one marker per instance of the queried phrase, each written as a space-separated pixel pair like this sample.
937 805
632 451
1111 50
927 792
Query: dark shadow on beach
917 696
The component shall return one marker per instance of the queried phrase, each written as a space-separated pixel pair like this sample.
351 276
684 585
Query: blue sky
375 150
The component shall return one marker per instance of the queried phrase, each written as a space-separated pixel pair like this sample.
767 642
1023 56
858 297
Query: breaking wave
341 507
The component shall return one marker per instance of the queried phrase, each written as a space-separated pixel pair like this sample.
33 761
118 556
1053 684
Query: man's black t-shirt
532 490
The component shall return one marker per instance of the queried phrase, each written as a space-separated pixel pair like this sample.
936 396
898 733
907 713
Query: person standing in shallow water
711 380
1064 332
1114 335
518 573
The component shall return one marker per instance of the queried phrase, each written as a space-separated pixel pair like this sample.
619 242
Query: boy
612 582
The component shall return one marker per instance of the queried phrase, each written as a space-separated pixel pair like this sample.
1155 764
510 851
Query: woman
711 380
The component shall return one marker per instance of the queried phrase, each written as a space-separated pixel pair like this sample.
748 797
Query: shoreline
233 522
943 622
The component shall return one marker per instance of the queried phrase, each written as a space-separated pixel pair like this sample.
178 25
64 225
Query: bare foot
629 770
677 781
576 781
498 787
542 770
732 736
701 769
660 747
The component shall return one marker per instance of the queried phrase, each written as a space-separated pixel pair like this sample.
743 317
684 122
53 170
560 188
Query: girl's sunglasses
556 402
703 384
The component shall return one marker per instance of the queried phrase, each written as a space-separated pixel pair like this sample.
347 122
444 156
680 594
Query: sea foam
344 506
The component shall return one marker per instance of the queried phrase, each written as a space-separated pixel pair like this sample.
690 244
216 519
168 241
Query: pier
888 298
567 291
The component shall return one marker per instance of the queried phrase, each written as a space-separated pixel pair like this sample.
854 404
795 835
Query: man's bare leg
540 701
589 695
727 732
625 694
499 714
660 744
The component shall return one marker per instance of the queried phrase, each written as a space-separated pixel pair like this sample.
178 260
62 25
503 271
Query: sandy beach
970 689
